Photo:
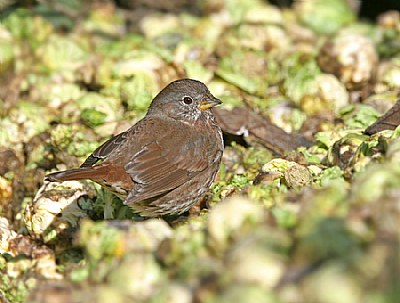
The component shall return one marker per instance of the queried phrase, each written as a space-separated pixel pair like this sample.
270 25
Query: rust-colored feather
103 174
71 175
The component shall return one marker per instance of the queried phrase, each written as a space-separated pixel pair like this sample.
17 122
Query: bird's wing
104 150
165 164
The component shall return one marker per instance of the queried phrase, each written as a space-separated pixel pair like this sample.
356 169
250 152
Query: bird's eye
187 100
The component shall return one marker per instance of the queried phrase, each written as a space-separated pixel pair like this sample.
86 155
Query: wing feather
163 165
104 150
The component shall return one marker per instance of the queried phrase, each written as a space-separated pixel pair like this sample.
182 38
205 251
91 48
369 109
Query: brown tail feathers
71 175
102 174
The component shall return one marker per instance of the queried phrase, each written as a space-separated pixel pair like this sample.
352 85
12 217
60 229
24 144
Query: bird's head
185 100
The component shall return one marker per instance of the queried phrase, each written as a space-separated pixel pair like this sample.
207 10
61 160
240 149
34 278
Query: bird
165 162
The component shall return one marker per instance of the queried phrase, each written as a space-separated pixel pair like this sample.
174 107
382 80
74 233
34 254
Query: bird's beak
209 102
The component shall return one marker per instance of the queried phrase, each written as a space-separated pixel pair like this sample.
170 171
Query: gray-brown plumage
167 161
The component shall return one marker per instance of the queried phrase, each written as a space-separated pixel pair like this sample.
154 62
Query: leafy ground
315 220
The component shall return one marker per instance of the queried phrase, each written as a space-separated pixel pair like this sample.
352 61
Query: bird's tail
71 175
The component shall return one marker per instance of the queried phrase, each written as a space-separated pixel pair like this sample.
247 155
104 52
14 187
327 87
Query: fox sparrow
164 163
